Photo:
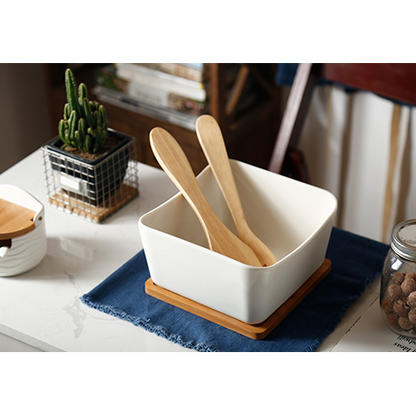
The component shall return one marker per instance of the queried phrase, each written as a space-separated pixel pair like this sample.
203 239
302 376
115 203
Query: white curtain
362 148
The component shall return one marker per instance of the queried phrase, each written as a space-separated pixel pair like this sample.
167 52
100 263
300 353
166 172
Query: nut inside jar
399 303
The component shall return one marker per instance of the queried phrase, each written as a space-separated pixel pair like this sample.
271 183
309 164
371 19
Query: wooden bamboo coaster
257 332
74 204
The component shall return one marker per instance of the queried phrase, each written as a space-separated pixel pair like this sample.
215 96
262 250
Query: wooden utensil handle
175 163
216 153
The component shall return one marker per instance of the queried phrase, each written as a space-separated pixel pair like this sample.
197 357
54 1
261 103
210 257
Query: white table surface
42 309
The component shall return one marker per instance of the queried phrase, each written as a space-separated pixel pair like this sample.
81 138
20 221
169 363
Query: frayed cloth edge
319 340
147 325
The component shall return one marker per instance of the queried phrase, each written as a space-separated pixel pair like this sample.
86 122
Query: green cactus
84 125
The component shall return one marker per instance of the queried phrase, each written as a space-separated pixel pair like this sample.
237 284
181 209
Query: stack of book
169 92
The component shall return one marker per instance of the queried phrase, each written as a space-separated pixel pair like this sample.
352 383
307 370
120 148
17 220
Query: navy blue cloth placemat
356 261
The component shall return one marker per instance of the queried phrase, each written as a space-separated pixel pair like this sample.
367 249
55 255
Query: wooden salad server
212 143
174 162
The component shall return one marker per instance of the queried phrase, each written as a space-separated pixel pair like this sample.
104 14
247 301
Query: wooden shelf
249 136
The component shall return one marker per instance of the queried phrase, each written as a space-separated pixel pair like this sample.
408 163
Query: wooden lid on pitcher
15 220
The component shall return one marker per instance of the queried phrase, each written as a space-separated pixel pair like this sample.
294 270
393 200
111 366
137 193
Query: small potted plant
88 159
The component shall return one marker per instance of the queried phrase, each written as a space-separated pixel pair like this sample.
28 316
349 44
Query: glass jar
398 281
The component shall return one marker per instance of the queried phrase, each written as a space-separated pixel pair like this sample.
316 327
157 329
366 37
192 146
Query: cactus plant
84 125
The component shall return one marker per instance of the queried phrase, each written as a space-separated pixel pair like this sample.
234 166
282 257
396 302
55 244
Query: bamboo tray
258 331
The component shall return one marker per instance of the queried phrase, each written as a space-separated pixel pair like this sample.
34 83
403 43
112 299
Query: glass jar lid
403 240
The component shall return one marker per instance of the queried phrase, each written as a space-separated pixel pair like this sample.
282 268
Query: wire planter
91 190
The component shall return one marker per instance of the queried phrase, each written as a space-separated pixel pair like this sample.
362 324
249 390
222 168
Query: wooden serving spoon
174 162
212 143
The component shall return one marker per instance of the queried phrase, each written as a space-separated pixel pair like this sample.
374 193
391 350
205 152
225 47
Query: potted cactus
88 159
84 126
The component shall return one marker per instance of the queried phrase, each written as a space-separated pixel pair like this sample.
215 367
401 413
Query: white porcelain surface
292 218
28 250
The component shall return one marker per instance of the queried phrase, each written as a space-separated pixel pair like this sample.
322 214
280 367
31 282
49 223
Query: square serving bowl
292 218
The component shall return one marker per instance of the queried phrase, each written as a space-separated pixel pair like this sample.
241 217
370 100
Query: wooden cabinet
249 134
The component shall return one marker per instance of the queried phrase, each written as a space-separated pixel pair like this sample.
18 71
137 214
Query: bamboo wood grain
258 331
15 220
212 143
174 162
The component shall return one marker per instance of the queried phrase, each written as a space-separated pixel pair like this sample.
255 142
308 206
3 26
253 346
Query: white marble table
41 309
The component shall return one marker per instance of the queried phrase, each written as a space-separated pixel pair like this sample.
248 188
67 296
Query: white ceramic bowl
293 219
